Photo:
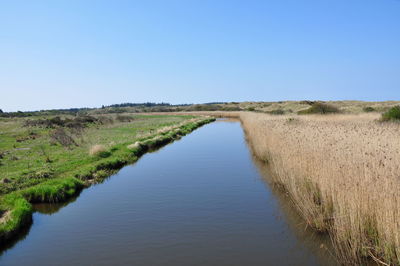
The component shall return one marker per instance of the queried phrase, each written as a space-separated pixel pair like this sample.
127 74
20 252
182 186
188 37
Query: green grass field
29 156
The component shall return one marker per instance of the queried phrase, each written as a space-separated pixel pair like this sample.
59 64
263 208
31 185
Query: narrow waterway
202 200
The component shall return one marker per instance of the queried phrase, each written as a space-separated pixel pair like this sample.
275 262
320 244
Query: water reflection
319 243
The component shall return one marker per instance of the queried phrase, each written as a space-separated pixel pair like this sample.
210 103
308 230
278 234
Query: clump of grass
99 151
55 190
16 213
369 109
393 114
320 108
42 174
134 146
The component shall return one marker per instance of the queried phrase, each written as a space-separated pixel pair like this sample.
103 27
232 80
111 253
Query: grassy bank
342 174
39 166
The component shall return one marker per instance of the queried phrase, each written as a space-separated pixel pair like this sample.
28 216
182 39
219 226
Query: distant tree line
128 107
148 104
69 111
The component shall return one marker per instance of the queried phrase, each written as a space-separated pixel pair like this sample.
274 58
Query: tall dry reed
343 175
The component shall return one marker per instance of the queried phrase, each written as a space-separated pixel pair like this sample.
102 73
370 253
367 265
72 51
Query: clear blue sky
58 54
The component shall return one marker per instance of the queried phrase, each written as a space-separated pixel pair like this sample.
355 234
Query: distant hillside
281 107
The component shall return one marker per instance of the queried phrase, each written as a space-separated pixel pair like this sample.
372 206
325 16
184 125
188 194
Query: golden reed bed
342 173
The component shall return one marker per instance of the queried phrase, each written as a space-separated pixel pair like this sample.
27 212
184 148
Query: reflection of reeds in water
319 244
342 172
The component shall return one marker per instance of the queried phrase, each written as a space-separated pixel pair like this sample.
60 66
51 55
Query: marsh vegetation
342 174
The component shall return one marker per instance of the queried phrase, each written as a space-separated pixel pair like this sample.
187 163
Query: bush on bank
320 108
393 114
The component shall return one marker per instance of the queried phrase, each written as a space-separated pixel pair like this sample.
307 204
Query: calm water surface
202 200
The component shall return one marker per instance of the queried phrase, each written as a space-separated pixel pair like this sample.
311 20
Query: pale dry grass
342 173
134 146
97 149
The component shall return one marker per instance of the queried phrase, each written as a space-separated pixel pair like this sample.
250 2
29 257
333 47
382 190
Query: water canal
202 200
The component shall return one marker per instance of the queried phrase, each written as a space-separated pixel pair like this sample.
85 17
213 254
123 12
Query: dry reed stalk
342 173
97 149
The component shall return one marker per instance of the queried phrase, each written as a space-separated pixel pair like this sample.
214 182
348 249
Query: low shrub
104 120
79 121
369 109
74 125
393 114
320 108
56 121
85 119
60 136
